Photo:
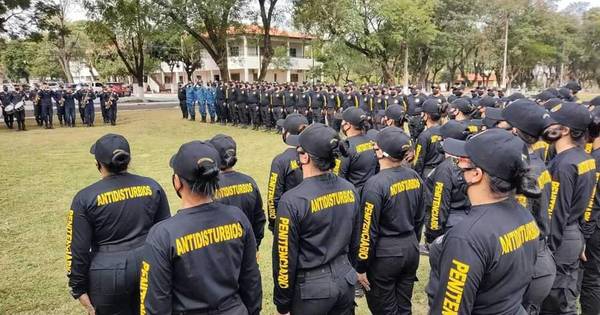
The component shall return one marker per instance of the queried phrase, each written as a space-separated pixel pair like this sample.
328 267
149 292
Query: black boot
203 119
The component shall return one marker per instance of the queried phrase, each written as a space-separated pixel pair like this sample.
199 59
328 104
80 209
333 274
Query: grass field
41 170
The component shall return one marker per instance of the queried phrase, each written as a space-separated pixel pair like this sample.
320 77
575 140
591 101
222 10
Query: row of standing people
66 102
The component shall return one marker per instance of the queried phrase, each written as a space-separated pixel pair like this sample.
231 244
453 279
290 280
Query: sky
78 13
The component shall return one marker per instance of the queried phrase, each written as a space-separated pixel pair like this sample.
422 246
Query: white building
244 60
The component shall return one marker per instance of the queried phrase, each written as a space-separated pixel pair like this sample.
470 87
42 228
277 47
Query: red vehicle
119 88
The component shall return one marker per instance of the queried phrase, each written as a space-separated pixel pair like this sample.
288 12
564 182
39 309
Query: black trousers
541 284
70 115
244 113
20 116
590 286
111 113
183 106
37 113
277 113
8 119
222 111
47 113
60 112
326 290
114 282
329 117
392 280
265 116
565 290
233 111
82 113
89 114
316 116
255 113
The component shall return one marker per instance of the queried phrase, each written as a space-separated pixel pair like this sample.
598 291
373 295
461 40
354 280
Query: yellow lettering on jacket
144 272
516 238
123 194
234 190
201 239
404 185
68 255
457 277
435 207
271 196
364 147
365 237
283 275
331 200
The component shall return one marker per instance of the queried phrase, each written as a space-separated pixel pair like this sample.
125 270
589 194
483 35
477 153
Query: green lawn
41 170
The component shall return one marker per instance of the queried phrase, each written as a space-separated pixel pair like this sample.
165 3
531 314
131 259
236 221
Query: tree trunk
388 74
224 69
405 68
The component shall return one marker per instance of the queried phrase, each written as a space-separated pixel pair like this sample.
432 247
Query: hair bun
527 184
120 157
207 169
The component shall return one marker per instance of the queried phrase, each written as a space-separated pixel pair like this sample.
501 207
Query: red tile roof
257 30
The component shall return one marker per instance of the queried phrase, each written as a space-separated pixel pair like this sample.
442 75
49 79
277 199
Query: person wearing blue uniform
190 99
210 95
200 98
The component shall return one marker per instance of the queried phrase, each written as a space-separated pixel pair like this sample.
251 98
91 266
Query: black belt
229 303
129 245
328 268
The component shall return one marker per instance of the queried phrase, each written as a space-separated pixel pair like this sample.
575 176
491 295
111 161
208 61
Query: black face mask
463 186
457 93
176 190
551 135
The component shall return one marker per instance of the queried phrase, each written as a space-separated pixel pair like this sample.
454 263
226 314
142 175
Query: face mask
458 93
463 185
176 190
551 135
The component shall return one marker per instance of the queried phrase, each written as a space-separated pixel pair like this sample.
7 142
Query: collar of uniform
198 208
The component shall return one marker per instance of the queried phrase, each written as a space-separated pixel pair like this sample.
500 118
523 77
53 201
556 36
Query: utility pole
505 62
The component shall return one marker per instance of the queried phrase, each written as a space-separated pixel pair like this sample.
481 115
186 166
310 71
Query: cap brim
293 140
93 149
455 147
280 122
172 160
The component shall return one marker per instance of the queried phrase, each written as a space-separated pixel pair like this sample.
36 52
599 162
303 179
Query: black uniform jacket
361 162
392 207
117 210
317 222
199 259
285 174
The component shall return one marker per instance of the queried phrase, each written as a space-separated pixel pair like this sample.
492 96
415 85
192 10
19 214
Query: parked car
119 88
97 87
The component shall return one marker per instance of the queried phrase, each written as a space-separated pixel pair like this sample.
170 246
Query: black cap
552 102
393 142
492 117
515 96
572 115
544 96
431 106
528 117
462 104
564 94
194 159
487 101
394 112
573 86
225 145
354 115
317 139
453 129
595 101
293 123
108 146
498 152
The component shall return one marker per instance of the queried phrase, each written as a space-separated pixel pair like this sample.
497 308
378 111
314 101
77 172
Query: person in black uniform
181 98
303 101
394 115
415 122
106 228
359 162
203 259
316 233
392 216
103 97
485 263
111 110
79 95
232 96
5 97
60 105
37 105
265 108
68 99
494 119
427 150
290 100
277 104
573 175
243 112
590 288
17 96
449 203
46 96
285 172
435 93
529 121
87 99
237 189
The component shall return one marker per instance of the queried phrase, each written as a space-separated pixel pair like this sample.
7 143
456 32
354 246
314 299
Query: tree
207 21
15 60
14 16
125 25
52 18
266 17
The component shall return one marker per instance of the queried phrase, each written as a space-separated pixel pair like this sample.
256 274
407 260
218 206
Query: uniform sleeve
249 280
275 188
345 163
371 204
79 243
419 217
258 219
590 215
156 276
419 160
461 269
285 256
163 212
438 208
560 203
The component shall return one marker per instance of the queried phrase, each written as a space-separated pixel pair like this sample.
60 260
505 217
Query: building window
275 77
254 76
235 77
180 78
294 77
252 51
168 80
293 52
234 51
217 77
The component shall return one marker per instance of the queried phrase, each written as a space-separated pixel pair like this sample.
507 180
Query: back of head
196 164
112 151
